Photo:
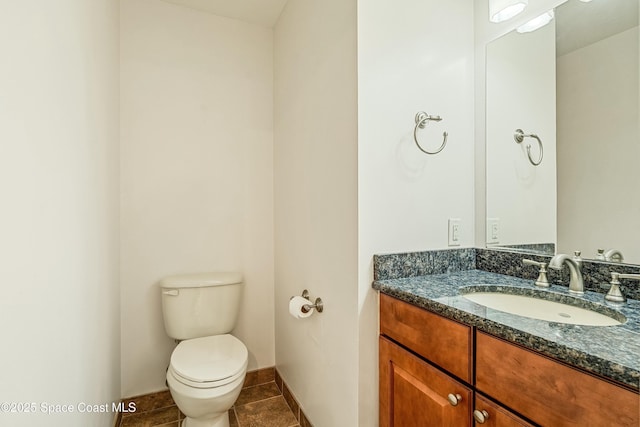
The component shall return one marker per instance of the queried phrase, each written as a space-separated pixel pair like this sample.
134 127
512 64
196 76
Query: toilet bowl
205 378
206 373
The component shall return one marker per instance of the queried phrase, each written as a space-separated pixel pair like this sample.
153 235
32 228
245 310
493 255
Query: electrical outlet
455 230
493 230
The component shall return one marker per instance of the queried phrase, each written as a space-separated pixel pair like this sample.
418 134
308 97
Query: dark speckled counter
609 351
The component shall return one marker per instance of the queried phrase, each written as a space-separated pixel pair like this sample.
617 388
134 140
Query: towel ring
519 136
421 121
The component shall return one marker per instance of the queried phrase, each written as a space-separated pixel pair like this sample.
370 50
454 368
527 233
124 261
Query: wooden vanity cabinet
426 360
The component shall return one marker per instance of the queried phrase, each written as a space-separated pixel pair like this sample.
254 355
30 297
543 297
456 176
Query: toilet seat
209 362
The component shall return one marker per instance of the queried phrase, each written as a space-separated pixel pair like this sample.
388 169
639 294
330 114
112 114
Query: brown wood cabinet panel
415 394
550 393
446 343
497 416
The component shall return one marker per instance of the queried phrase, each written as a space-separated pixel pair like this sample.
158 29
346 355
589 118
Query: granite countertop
609 351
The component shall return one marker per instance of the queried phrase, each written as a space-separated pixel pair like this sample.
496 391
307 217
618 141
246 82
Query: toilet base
219 421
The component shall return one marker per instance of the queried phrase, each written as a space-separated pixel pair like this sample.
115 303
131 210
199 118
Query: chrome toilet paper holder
308 307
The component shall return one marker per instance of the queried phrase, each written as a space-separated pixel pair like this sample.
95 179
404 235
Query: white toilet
208 367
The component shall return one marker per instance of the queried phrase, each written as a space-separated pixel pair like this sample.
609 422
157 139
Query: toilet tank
199 305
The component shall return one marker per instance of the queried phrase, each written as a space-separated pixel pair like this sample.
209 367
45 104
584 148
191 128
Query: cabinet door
550 393
415 394
489 414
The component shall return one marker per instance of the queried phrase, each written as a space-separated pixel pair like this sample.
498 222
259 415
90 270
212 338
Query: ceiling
261 12
581 24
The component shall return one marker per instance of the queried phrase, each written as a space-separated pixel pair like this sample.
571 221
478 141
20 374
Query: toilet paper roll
295 307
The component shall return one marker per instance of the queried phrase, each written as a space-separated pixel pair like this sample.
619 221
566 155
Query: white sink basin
541 309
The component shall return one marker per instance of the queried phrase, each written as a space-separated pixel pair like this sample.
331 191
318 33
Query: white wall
413 55
197 190
59 309
315 155
406 197
521 94
598 148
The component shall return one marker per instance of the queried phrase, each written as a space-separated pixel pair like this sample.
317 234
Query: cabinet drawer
444 342
547 392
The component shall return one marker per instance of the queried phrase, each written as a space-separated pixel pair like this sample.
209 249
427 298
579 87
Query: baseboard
293 403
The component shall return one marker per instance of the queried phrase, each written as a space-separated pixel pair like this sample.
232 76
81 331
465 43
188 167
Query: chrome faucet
576 284
613 255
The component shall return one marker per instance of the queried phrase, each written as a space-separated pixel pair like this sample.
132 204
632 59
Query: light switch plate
455 231
493 230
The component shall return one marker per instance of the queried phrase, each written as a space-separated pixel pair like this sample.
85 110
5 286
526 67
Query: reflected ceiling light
536 23
585 1
501 10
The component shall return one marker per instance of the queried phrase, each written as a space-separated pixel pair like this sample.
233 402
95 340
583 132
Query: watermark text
58 408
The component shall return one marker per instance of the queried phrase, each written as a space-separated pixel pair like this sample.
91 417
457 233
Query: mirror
572 84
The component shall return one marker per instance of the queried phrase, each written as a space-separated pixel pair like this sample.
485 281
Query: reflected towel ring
519 136
421 121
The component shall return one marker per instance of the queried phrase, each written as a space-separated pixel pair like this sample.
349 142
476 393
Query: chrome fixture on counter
614 294
519 136
542 280
613 255
576 284
421 121
578 259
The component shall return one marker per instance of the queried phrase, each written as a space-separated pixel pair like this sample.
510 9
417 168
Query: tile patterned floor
261 405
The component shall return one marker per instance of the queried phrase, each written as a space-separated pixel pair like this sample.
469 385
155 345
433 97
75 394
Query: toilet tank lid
201 280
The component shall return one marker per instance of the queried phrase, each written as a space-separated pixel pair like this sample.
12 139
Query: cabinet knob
454 399
480 416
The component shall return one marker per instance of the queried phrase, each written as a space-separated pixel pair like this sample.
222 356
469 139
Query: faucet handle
578 258
614 294
542 280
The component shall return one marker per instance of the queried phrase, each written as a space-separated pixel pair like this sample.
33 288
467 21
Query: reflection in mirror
574 84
